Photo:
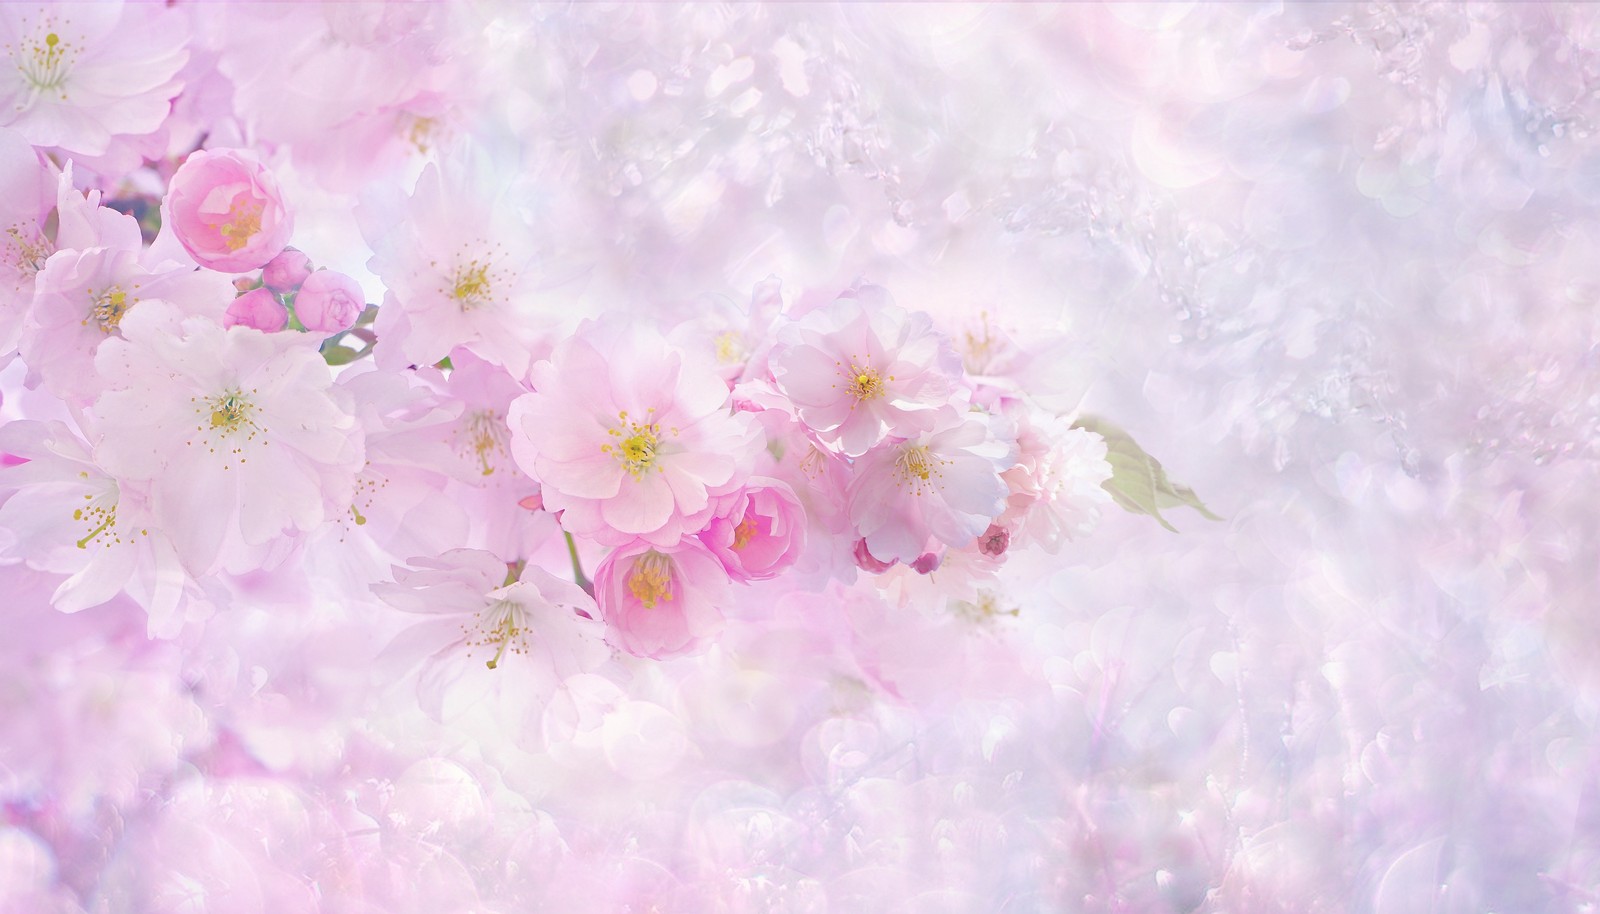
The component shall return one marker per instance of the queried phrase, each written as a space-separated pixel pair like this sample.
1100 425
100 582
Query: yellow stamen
244 221
917 467
743 533
650 580
636 446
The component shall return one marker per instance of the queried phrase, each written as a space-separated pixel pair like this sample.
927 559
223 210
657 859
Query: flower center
636 446
484 435
650 580
500 624
244 221
918 468
743 533
103 517
864 383
729 347
26 250
226 420
471 285
107 308
44 62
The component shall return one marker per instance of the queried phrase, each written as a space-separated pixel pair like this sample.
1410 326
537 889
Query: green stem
577 565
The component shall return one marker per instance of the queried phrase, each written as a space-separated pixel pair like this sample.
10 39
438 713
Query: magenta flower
861 370
945 484
661 603
761 534
627 438
227 211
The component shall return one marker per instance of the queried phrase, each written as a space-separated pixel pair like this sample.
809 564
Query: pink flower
285 272
661 603
238 433
227 211
944 484
257 308
861 370
761 534
80 299
1056 490
65 515
627 438
329 302
479 608
457 262
77 76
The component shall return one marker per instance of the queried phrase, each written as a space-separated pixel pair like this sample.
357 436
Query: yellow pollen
917 467
471 285
865 383
484 435
230 411
26 248
244 221
225 424
636 446
107 518
44 63
729 347
744 533
108 308
650 581
500 624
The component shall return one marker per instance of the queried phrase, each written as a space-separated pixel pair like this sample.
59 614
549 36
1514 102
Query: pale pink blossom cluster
205 406
300 334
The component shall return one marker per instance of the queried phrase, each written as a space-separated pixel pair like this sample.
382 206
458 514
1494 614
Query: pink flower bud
285 272
927 563
994 541
257 308
227 211
866 561
329 302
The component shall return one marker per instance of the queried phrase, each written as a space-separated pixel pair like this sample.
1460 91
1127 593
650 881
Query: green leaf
1138 483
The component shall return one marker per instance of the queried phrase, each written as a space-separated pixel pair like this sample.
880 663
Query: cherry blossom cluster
204 403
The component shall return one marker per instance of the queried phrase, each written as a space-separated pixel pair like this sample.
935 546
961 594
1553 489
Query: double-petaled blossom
760 533
943 484
629 438
238 434
1055 487
227 210
76 76
861 370
661 602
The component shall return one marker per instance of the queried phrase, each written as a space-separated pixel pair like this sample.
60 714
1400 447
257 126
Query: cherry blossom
862 369
944 484
661 603
628 438
77 76
239 434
